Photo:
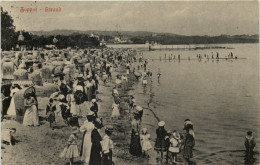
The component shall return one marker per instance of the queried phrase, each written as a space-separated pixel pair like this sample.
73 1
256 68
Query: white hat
61 97
161 123
176 135
139 108
188 122
93 100
91 113
80 75
144 130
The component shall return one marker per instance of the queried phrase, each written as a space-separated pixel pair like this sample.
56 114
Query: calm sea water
221 98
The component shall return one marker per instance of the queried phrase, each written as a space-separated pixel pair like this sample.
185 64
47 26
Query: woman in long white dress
115 111
72 104
11 110
31 116
87 128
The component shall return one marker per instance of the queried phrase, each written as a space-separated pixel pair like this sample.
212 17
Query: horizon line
135 31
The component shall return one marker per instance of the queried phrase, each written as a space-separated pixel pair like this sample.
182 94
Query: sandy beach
42 145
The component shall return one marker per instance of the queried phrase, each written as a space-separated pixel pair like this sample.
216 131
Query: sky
185 18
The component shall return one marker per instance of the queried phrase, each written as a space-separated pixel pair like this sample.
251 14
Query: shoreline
49 143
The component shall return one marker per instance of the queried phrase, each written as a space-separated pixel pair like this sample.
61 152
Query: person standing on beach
71 150
31 116
94 107
175 143
249 145
87 128
145 142
144 82
115 111
96 149
124 82
139 113
160 145
135 145
12 110
50 112
107 147
189 140
159 74
118 82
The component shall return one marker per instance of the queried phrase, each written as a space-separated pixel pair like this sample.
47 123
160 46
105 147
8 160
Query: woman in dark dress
94 107
135 144
96 149
160 145
189 140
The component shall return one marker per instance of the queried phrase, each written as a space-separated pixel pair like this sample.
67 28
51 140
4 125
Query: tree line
9 37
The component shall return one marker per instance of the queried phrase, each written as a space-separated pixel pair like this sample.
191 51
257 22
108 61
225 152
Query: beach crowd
77 76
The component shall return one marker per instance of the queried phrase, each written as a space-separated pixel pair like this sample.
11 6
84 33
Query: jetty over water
152 47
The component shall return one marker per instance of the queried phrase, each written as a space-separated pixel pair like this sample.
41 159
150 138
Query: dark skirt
187 152
52 117
73 121
95 157
189 143
89 94
135 145
107 158
160 144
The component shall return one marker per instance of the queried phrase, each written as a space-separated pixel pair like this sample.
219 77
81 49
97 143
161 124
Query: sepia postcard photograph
130 82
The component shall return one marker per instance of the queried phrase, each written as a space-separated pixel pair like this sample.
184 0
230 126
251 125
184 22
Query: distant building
102 43
92 35
122 40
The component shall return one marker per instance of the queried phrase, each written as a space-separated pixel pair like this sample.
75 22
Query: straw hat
161 123
139 108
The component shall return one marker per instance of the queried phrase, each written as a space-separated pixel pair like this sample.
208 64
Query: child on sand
71 150
107 146
50 112
145 142
174 148
160 145
250 145
115 111
115 92
144 81
105 78
7 136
